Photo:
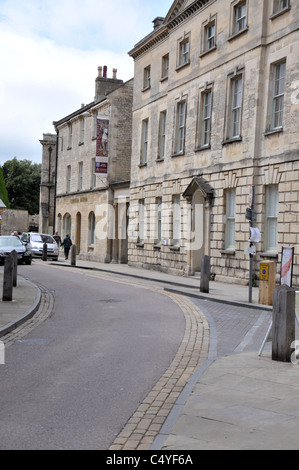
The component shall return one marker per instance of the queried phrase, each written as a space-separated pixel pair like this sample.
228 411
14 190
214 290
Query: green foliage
3 190
22 179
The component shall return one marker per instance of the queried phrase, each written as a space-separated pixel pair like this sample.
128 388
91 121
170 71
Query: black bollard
73 255
205 275
14 255
45 248
8 279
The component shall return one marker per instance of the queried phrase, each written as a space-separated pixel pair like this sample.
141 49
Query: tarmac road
75 380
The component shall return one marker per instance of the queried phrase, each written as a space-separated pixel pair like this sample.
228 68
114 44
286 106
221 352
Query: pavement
233 401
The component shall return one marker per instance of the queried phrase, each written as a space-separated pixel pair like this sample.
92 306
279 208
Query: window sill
239 33
146 89
179 154
203 147
140 245
181 66
273 131
232 141
269 254
174 248
158 160
81 143
228 252
163 79
142 165
276 14
157 246
69 148
202 54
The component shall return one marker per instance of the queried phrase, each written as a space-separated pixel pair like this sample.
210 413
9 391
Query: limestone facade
89 205
215 114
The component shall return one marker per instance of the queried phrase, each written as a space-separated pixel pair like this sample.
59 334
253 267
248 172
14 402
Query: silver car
8 244
36 241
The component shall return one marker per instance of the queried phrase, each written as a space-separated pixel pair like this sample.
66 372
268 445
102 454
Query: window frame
230 220
158 240
80 176
180 127
232 108
146 78
165 67
70 135
144 142
271 217
278 97
204 125
235 30
141 220
183 56
176 220
68 178
279 9
93 176
162 135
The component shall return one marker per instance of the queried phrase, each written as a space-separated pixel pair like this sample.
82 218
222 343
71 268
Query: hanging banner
287 266
102 149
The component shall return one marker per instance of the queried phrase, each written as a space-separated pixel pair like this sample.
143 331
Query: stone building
47 187
93 171
215 119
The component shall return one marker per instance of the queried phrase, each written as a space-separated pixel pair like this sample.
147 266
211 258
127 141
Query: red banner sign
102 152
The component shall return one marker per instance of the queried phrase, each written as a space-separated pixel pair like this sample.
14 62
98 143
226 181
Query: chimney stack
158 22
105 85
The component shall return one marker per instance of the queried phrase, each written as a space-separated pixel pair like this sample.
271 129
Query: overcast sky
50 51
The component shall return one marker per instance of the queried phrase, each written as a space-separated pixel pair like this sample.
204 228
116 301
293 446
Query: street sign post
250 215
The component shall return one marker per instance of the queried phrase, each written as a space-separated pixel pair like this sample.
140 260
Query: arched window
91 228
67 224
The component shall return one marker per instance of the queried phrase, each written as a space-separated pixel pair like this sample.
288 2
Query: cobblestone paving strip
145 424
43 312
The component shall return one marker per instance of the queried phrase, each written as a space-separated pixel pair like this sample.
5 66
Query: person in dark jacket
67 243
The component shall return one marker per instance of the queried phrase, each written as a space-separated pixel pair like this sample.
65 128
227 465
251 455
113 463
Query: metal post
251 245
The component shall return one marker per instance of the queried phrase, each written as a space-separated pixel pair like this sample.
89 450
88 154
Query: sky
50 51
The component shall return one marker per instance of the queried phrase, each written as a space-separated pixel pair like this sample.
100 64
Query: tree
3 191
22 179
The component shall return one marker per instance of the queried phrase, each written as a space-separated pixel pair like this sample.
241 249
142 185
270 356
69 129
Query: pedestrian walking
67 243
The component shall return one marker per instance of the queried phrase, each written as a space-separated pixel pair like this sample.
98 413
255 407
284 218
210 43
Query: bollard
8 279
205 275
73 255
14 255
283 331
267 282
45 248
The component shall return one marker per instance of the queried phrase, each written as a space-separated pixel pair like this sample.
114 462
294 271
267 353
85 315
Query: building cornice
163 32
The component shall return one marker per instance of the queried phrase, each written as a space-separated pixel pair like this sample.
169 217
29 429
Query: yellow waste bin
267 282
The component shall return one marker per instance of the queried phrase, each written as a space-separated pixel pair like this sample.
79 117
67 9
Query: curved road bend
75 380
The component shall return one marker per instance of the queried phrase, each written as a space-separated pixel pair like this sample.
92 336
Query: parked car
9 243
35 242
